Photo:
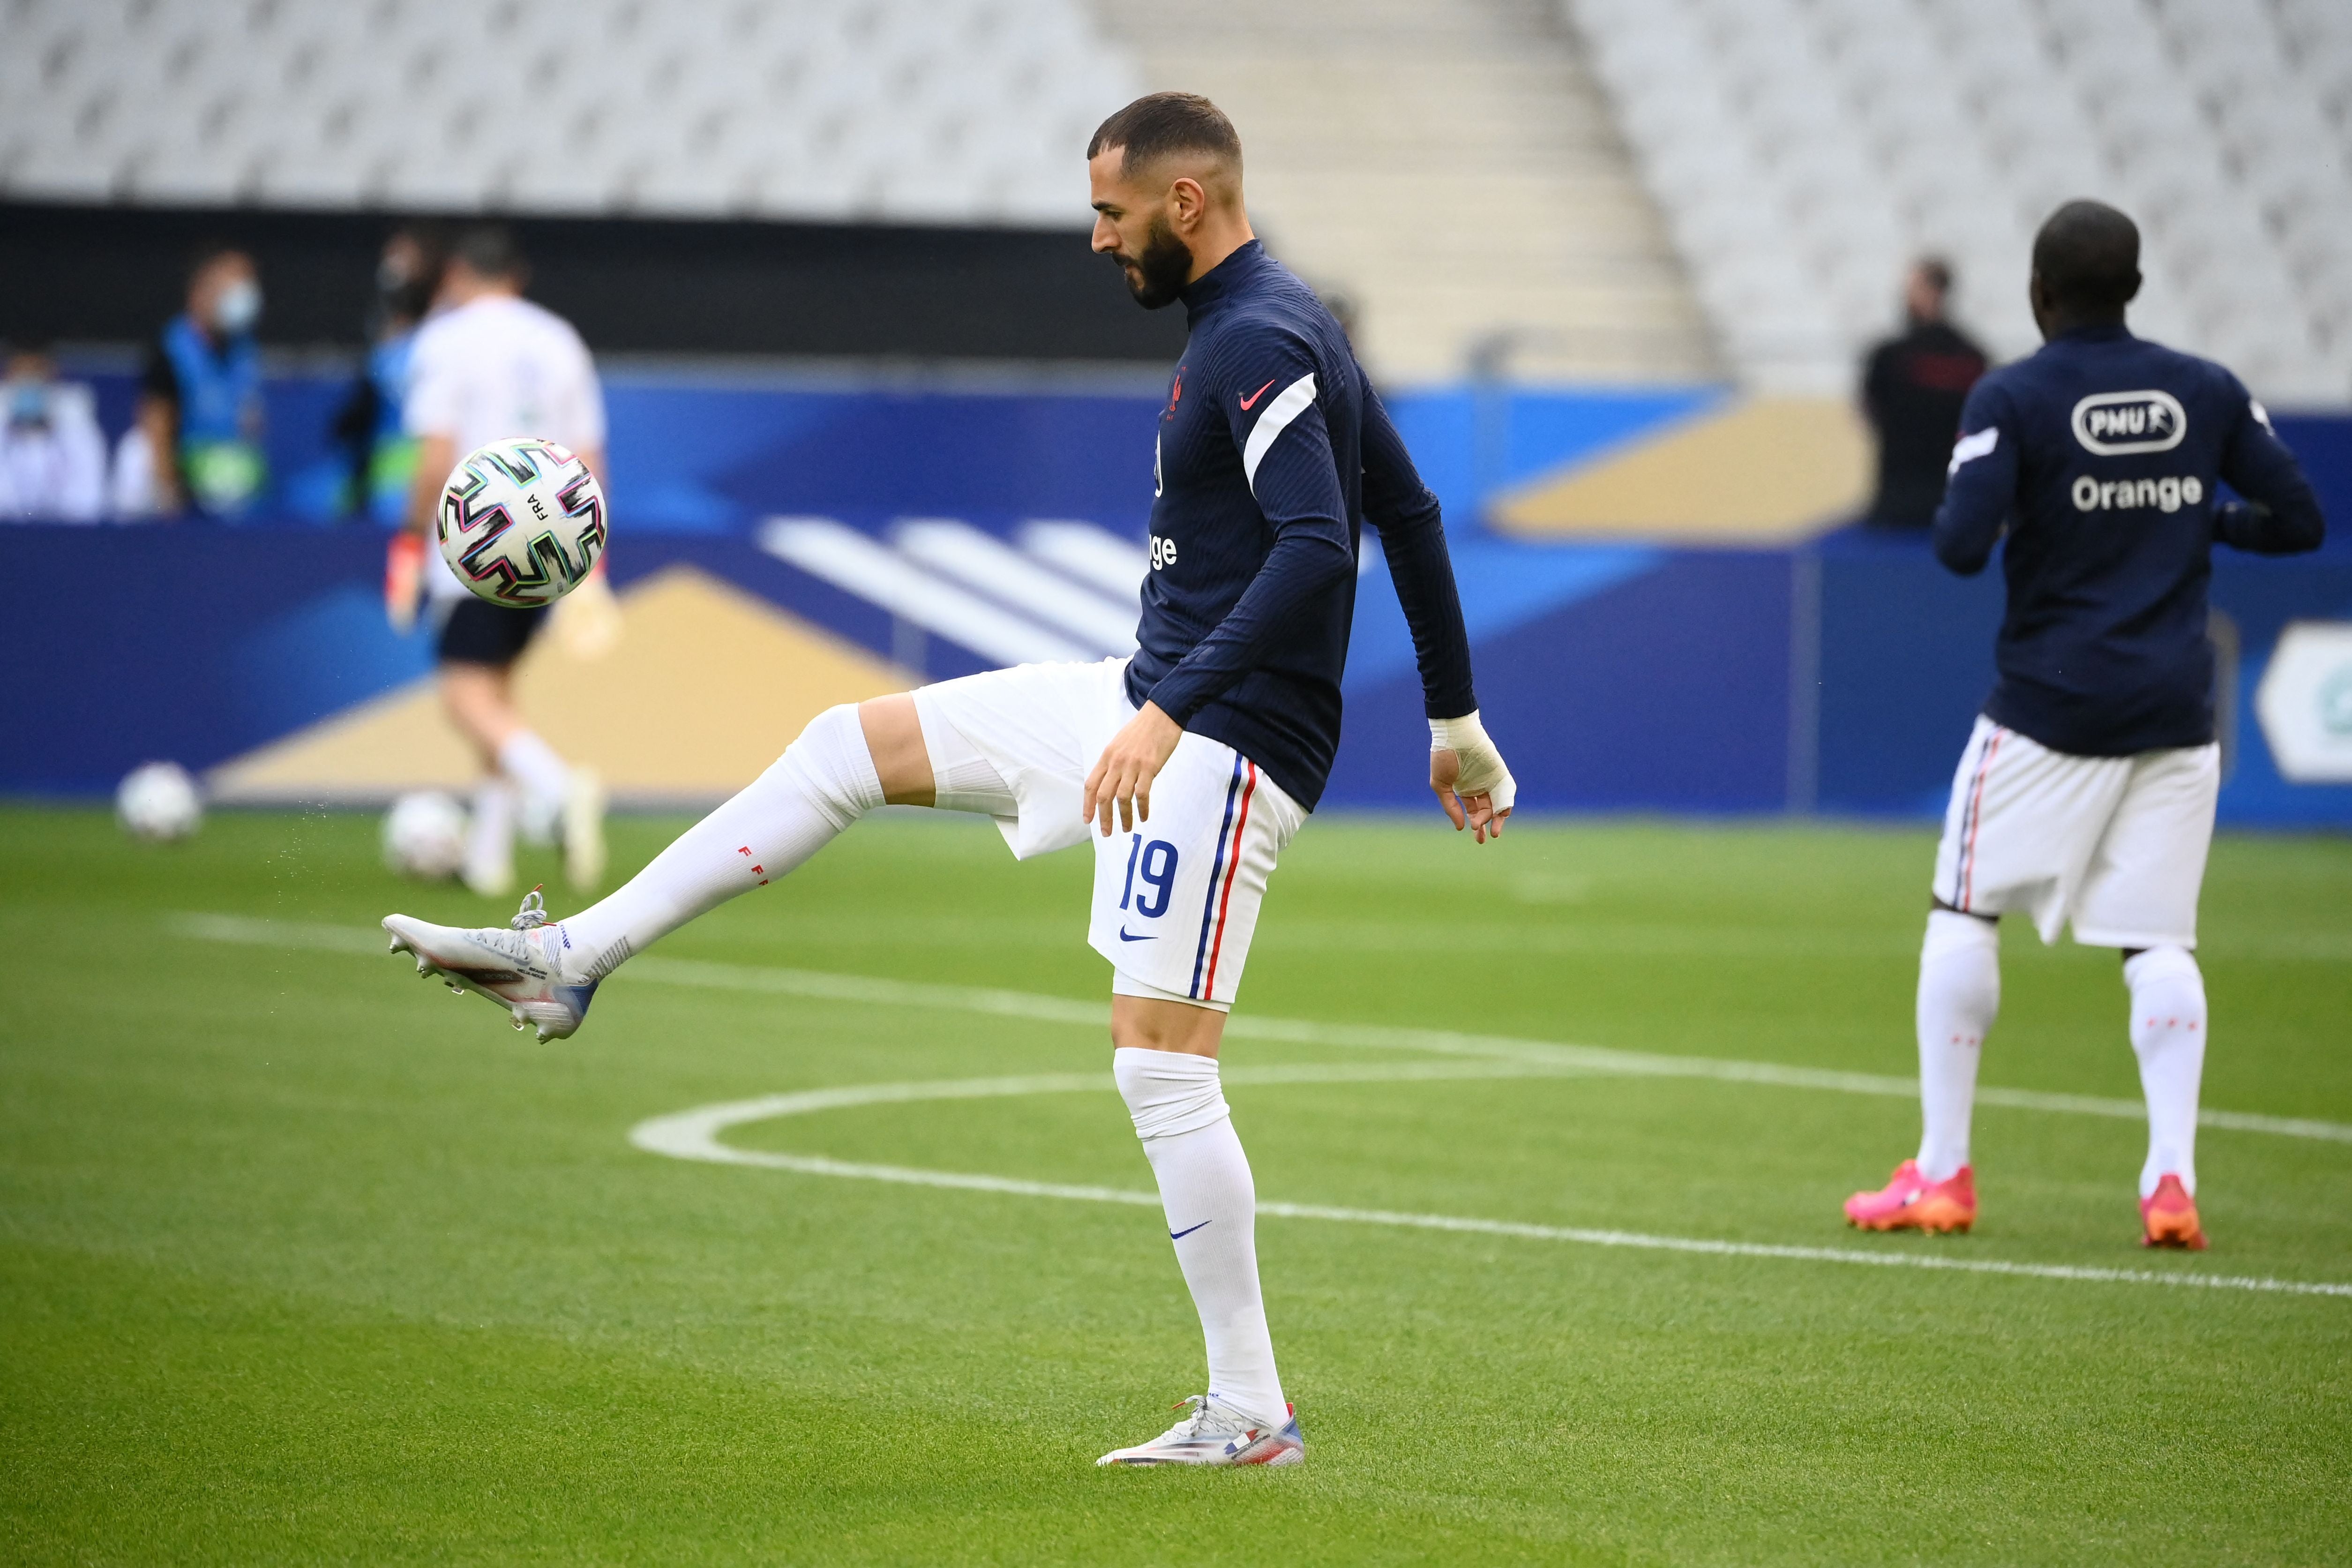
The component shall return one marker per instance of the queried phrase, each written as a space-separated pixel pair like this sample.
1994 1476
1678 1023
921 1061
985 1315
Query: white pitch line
829 987
694 1135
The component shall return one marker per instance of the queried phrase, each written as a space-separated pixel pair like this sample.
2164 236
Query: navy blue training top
2101 453
1273 454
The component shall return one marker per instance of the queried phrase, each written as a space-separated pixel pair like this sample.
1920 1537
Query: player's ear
2133 292
1186 202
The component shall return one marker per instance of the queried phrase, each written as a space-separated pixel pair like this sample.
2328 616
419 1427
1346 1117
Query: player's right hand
403 579
1468 776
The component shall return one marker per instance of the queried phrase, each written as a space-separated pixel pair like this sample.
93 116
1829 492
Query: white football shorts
2116 845
1176 898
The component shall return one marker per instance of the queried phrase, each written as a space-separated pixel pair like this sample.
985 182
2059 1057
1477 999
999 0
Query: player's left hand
1122 780
1468 775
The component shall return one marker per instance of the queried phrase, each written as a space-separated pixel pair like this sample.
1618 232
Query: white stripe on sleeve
1969 449
1288 405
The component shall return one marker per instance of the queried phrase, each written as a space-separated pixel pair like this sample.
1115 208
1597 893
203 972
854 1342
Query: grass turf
303 1260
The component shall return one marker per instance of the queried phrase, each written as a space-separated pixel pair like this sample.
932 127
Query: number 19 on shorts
1154 865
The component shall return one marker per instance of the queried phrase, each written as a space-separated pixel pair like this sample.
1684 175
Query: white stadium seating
910 111
1804 150
1800 152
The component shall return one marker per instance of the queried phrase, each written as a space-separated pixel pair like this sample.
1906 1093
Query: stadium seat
581 106
2224 126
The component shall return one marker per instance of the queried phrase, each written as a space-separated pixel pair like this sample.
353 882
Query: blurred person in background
487 365
52 453
370 426
198 440
1912 387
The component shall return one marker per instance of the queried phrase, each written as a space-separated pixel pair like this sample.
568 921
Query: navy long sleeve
2101 459
1412 539
1271 452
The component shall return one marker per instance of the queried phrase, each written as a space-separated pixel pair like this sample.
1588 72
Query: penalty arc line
694 1135
820 985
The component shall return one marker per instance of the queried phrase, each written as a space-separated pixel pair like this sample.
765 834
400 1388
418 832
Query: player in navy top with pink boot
2086 794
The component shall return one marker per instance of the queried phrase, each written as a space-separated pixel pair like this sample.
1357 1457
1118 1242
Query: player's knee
2170 970
1950 932
833 767
1168 1092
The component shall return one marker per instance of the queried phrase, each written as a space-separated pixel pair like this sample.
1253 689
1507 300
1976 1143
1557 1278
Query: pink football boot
1911 1201
2167 1217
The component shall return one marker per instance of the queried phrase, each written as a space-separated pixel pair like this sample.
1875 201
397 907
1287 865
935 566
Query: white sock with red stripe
2167 1035
1205 1189
1959 994
823 782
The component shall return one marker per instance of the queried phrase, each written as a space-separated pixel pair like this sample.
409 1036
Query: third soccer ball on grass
522 521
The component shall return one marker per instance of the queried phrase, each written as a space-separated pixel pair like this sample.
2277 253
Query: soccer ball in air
522 521
425 836
158 802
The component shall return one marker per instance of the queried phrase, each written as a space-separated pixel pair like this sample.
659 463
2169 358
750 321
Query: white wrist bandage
1483 772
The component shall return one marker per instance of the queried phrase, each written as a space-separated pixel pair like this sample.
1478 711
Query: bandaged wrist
1458 734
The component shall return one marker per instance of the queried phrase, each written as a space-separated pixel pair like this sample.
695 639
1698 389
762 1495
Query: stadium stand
1802 150
911 110
1451 168
1798 151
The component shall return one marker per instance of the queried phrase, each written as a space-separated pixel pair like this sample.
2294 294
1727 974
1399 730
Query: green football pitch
303 1259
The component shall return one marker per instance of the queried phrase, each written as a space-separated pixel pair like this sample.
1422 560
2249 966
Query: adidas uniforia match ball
522 521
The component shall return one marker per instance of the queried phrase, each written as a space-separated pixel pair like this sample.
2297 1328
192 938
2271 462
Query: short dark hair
1159 124
491 249
1937 271
2087 256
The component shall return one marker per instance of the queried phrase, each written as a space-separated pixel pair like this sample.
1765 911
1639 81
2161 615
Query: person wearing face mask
199 405
368 426
52 454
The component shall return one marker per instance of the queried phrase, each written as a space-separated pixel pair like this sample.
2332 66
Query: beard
1158 275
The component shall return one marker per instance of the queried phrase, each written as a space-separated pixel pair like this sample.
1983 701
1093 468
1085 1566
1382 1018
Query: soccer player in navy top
2086 793
1190 765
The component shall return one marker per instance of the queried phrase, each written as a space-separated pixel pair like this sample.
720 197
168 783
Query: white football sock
533 764
490 837
1178 1106
1959 994
2167 1035
823 782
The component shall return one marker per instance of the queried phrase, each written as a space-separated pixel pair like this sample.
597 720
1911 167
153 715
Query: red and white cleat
1215 1433
2167 1217
1911 1201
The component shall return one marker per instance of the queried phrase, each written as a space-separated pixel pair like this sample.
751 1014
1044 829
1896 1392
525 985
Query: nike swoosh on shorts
1126 935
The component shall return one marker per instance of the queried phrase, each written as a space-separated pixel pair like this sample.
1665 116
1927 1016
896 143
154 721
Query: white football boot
1217 1434
522 969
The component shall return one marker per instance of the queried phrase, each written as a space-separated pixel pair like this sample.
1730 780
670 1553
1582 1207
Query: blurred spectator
1912 389
200 404
382 454
52 453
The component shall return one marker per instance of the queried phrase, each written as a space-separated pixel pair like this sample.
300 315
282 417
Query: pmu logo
2118 423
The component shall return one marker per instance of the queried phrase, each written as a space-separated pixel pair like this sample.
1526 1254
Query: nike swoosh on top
1126 935
1251 401
1180 1234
